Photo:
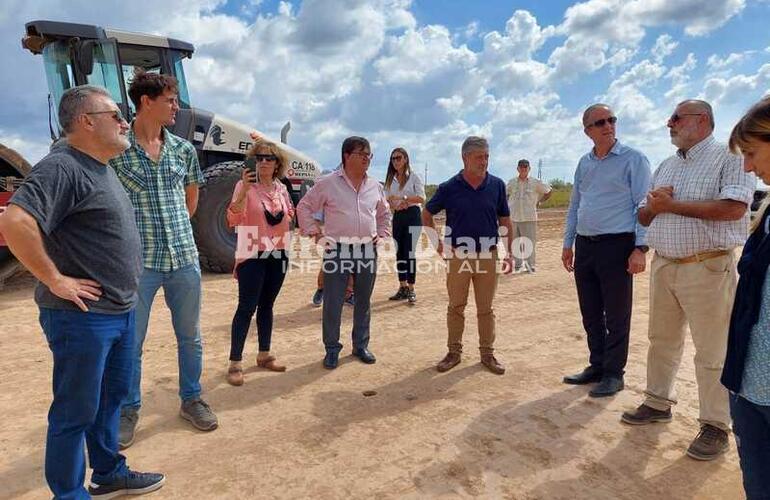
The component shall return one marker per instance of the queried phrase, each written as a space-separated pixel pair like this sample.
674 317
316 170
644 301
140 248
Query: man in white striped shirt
696 213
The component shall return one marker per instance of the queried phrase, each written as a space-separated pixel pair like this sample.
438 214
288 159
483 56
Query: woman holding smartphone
261 209
747 366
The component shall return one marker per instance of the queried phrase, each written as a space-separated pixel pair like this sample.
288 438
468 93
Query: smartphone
251 164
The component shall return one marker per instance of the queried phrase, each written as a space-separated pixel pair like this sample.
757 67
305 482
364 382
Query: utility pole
540 169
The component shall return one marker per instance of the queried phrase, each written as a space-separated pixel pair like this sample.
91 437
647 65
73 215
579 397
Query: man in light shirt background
524 195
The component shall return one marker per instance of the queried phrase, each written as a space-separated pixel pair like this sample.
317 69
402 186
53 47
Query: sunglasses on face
261 158
678 116
116 114
600 123
396 158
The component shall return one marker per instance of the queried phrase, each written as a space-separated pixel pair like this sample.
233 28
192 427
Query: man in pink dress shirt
356 217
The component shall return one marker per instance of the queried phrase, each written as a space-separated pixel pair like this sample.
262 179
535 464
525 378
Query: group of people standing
103 222
693 212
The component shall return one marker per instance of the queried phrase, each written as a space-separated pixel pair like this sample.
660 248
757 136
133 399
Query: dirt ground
311 433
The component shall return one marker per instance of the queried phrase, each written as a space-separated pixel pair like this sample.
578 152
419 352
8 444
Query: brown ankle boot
267 361
492 364
451 360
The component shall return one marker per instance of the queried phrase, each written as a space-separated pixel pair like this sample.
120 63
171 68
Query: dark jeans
751 425
92 364
340 262
605 292
259 281
406 242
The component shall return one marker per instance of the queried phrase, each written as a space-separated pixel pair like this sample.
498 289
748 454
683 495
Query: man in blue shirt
610 182
476 206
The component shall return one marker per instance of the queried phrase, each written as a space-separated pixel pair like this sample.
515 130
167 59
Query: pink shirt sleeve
290 210
235 218
310 204
383 216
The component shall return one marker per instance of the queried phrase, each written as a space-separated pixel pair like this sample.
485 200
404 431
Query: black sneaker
129 418
133 483
400 294
318 297
411 297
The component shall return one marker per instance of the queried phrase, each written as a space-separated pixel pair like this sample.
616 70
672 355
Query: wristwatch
643 248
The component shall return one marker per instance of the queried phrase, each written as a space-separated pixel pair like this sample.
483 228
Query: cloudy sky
423 74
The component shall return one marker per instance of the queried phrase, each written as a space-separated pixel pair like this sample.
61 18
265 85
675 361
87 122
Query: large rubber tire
11 164
216 241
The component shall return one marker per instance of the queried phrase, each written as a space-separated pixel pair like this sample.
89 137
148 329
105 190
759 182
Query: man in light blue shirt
610 182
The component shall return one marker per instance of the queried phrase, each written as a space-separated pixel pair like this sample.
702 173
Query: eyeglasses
396 158
600 123
117 115
678 116
365 156
261 158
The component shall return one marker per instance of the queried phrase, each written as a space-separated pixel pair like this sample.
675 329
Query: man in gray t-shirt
87 227
72 225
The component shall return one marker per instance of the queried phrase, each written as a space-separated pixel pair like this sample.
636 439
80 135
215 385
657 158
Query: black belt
353 245
605 237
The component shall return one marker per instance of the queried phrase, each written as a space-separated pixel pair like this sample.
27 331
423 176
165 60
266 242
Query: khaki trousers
461 272
699 295
526 230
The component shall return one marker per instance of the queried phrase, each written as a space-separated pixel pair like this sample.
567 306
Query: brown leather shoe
235 375
492 364
710 442
269 363
644 415
451 360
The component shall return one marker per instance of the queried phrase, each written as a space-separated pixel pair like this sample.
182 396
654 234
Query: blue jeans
751 425
92 358
182 290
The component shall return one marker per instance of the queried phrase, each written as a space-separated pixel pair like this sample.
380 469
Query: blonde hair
754 126
281 163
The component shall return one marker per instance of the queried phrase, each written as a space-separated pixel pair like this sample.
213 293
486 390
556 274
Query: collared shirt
523 197
606 194
756 372
349 215
708 171
471 213
157 191
412 187
254 233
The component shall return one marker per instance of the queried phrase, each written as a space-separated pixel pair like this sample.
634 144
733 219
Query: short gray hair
704 107
474 143
73 102
590 109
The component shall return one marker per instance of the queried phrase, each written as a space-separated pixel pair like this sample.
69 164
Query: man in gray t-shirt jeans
71 224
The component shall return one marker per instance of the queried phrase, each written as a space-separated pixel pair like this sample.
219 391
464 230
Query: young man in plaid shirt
161 174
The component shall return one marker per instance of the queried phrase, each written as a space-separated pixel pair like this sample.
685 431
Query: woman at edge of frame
747 366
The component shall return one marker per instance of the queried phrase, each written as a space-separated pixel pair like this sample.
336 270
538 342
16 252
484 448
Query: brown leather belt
699 257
